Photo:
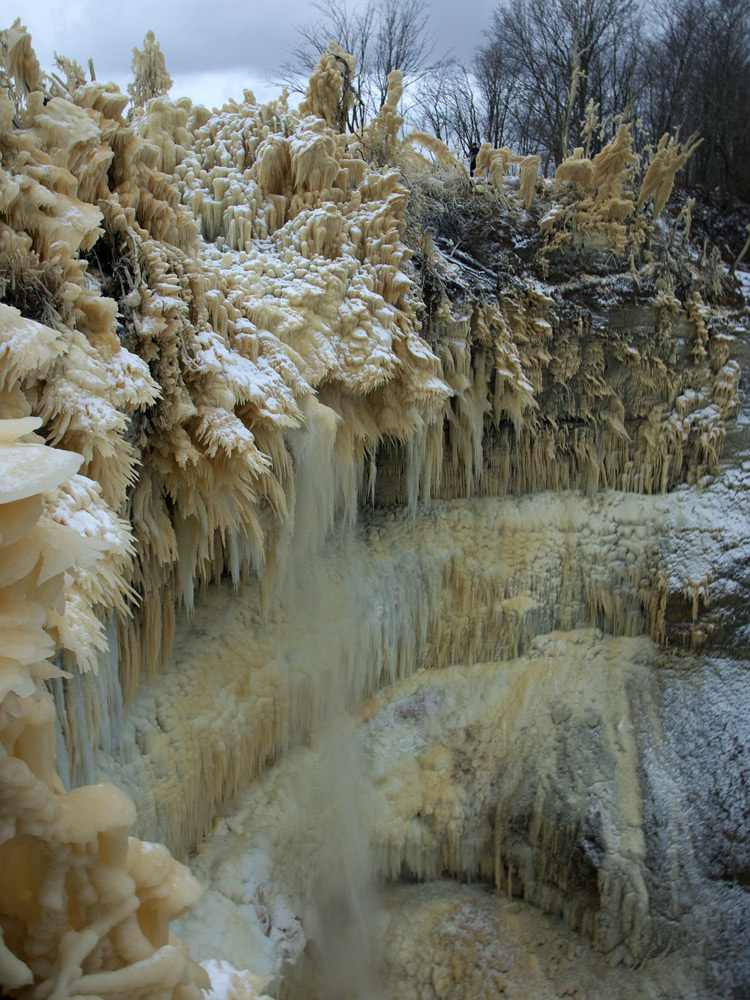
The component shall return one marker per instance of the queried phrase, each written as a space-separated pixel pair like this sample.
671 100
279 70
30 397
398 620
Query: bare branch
383 35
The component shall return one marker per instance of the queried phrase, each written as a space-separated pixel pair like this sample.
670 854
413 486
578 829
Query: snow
363 699
744 279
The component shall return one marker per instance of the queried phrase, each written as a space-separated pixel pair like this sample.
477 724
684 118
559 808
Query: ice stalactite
238 339
329 93
459 808
668 158
246 322
85 908
150 70
549 395
526 770
462 583
299 287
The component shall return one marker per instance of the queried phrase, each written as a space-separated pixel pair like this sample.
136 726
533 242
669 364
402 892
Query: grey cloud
202 37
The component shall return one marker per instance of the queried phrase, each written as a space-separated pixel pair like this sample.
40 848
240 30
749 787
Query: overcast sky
212 50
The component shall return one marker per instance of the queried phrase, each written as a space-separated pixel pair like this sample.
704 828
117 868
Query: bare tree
447 105
544 62
466 109
561 54
403 42
696 77
497 87
383 35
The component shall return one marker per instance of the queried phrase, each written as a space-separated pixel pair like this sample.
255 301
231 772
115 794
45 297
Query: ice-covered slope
250 326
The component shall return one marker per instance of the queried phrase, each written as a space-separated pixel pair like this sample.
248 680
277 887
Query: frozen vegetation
374 543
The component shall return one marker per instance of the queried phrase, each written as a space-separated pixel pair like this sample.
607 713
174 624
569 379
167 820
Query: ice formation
85 909
235 329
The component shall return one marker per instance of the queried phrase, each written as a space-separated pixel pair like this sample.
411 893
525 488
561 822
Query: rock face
406 552
548 760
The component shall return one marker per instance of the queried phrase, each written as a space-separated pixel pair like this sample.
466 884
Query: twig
742 253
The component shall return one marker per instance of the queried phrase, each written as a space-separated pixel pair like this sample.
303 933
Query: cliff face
404 549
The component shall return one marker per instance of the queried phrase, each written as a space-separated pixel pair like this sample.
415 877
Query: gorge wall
362 520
